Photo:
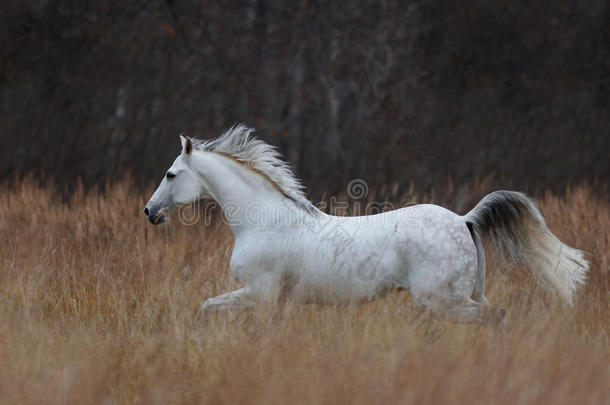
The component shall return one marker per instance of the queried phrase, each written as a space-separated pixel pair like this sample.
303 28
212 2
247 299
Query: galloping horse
285 248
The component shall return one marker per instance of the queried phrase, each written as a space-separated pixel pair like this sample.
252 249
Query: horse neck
241 192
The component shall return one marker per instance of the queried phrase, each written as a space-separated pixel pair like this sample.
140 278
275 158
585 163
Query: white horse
285 248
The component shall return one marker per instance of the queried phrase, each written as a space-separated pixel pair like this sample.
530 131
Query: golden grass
99 306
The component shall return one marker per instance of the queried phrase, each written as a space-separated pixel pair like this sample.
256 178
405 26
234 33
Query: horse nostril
146 211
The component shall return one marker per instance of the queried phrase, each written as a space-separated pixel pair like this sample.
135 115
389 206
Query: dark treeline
387 91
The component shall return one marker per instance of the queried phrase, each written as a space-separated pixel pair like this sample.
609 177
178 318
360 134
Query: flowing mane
239 143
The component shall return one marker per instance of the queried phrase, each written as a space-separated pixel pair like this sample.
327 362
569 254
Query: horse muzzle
156 216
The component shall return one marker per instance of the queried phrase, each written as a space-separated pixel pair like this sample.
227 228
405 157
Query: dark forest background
514 92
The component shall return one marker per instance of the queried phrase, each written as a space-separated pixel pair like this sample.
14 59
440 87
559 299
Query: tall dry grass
98 306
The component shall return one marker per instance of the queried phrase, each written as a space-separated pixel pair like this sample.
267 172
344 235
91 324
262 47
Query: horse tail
514 226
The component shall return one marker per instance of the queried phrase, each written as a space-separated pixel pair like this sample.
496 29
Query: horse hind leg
455 305
457 294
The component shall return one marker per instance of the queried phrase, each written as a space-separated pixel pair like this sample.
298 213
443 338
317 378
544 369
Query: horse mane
239 144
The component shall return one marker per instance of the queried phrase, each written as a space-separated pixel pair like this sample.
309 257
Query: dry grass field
99 306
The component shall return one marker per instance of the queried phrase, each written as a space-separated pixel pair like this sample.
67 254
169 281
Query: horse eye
170 175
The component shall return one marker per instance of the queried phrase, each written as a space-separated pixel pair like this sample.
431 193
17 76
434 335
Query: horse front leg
232 300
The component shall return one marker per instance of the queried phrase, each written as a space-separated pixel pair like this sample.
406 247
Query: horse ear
187 145
188 148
